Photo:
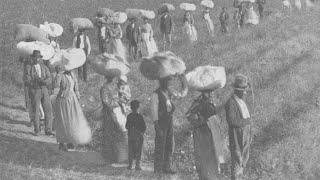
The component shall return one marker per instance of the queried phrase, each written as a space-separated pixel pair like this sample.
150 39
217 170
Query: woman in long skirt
209 23
207 138
115 144
117 47
189 27
70 123
148 44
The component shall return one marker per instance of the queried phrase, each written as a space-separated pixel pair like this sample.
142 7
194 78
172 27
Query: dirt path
19 148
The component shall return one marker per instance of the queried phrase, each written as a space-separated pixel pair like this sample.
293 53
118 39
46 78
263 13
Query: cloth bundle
109 65
105 12
81 23
53 29
162 65
188 6
165 7
133 13
148 14
119 17
207 78
28 32
26 49
207 3
69 59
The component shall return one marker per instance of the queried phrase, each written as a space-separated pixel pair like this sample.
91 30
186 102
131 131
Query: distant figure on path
189 27
166 29
224 17
101 27
209 23
115 34
260 7
82 41
148 44
136 128
236 19
133 35
38 78
238 119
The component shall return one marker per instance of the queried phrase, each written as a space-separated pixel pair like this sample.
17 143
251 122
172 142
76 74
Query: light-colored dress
116 44
70 123
253 18
148 44
190 29
209 22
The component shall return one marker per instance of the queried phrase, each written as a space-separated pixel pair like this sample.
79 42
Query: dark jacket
224 17
135 123
233 114
133 33
165 117
33 80
166 23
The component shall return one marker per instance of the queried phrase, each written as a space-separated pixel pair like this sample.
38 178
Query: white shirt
103 32
82 43
38 69
243 107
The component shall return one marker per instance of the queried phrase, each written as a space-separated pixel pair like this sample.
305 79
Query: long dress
206 137
209 23
189 29
148 44
70 123
253 18
115 140
116 44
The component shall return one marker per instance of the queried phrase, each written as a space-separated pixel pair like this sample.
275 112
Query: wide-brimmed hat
204 78
162 65
36 53
241 82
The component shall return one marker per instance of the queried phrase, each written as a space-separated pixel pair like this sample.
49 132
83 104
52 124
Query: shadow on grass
11 106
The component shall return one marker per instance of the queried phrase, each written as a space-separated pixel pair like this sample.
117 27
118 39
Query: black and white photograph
160 90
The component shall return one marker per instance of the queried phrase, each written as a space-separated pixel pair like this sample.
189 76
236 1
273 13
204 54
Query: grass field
280 55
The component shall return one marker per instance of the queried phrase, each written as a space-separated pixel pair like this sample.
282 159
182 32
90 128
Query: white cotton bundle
119 17
207 3
81 23
53 29
148 14
69 59
26 49
24 32
188 6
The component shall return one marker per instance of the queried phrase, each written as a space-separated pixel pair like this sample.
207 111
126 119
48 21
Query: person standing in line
238 119
82 41
189 27
133 36
38 78
209 23
224 17
101 27
166 29
136 128
115 34
148 44
236 18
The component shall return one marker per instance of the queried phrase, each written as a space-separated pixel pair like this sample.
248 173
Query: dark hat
36 53
241 82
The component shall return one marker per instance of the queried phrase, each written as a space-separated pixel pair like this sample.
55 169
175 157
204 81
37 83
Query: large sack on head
105 12
81 23
207 78
162 65
108 65
207 3
166 7
188 6
119 17
28 32
148 14
133 13
69 59
53 29
26 49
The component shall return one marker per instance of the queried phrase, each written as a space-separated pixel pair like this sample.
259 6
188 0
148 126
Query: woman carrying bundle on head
148 44
206 15
206 134
115 34
188 22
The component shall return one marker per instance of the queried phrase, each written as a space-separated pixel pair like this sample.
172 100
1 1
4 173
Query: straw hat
109 65
207 78
162 65
188 6
119 17
241 82
207 3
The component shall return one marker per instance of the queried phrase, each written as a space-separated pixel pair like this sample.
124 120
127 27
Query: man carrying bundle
238 119
224 17
38 78
166 28
133 37
82 41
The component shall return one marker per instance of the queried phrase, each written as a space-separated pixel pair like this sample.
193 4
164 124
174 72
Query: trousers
135 147
41 96
83 71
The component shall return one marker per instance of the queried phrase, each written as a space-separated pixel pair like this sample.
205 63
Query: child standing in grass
136 128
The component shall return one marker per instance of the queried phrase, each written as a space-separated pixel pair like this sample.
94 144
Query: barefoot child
136 128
